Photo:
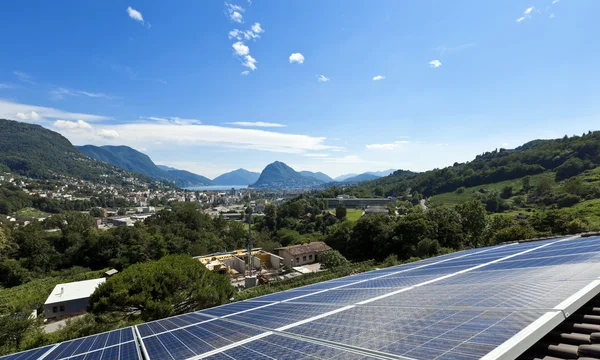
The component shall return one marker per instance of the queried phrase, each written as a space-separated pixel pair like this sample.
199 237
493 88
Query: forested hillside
566 157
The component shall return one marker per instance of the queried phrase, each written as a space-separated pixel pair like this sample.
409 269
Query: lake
217 187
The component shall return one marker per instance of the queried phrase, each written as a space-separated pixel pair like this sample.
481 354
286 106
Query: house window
54 309
304 258
310 257
297 260
62 308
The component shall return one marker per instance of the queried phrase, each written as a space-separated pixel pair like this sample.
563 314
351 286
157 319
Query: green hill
37 152
566 157
278 175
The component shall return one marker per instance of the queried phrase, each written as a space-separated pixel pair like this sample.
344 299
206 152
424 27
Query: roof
578 337
295 250
73 290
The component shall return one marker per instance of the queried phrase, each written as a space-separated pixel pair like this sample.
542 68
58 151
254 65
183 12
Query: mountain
317 175
344 177
135 161
237 177
185 178
361 177
37 152
278 175
166 168
125 158
381 173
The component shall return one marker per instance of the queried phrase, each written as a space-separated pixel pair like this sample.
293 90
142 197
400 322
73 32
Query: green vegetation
173 285
353 214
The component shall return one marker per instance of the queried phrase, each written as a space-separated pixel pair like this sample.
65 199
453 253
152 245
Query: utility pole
249 281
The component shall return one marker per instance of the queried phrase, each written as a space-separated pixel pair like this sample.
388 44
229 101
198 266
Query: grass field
27 213
353 214
453 198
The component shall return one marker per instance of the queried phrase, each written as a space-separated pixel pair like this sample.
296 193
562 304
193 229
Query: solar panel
491 303
29 354
118 344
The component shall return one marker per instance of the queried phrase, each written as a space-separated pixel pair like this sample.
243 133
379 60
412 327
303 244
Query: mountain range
317 175
135 161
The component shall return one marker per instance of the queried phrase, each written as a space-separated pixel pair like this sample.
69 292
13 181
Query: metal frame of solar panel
490 303
121 344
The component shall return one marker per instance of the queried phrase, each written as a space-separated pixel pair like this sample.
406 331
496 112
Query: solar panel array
492 303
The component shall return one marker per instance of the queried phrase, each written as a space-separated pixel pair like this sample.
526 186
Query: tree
12 273
121 212
332 258
97 212
544 186
473 221
175 284
526 184
507 192
340 212
271 216
14 326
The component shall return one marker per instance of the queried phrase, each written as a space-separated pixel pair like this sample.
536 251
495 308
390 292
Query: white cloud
504 145
23 76
171 120
236 16
246 72
322 78
6 86
297 58
320 155
235 34
240 49
551 16
435 63
555 1
388 146
10 110
249 62
28 116
521 19
234 12
108 134
257 29
59 94
181 136
134 14
529 10
72 125
255 124
378 77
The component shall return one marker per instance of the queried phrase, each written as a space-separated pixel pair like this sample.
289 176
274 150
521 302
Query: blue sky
332 86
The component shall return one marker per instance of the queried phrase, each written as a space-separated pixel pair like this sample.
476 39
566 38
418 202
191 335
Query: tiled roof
578 337
295 250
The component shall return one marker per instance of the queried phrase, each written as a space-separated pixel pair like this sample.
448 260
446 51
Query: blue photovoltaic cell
228 309
93 344
29 354
419 333
285 348
158 326
284 295
282 314
197 339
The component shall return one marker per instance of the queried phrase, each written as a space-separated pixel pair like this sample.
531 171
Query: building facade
298 255
70 299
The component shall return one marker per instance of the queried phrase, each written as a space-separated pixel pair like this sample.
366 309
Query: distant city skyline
338 87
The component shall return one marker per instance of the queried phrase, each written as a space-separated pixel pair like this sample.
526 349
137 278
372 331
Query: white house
70 299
